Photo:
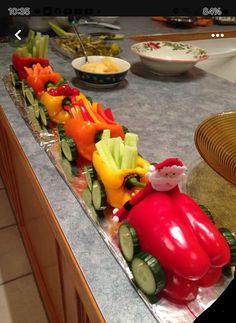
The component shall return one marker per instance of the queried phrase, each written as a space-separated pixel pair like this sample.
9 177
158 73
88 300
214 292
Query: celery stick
18 51
131 139
106 134
37 42
37 45
117 150
45 49
104 152
23 51
34 51
129 159
111 145
30 35
41 47
30 41
122 147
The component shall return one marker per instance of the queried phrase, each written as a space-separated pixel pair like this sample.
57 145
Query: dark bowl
101 78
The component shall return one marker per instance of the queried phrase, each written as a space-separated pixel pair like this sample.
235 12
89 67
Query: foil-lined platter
164 311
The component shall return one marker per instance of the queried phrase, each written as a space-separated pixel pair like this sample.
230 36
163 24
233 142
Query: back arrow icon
17 34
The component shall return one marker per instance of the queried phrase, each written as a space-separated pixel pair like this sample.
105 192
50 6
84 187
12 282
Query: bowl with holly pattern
168 58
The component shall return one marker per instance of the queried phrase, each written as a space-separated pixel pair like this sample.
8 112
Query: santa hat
170 162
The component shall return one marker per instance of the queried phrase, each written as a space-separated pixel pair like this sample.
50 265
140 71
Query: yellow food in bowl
105 65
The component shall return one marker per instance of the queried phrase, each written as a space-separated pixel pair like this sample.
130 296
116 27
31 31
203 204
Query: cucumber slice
207 212
94 214
68 147
98 195
29 96
67 168
148 274
36 107
24 86
44 115
90 175
232 244
87 197
61 131
14 77
128 240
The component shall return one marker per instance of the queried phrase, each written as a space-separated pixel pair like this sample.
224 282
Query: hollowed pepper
84 134
54 99
115 181
20 63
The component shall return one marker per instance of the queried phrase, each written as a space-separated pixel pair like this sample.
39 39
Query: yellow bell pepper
115 181
55 108
52 103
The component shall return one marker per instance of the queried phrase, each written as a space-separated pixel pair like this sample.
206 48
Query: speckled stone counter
164 111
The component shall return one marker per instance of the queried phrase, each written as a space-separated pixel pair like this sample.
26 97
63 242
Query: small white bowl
101 78
168 58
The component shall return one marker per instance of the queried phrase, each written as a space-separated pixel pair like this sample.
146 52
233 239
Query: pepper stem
133 181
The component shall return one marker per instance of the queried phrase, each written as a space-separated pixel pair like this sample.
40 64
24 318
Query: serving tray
163 311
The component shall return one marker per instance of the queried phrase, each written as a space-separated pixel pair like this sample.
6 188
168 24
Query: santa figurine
163 177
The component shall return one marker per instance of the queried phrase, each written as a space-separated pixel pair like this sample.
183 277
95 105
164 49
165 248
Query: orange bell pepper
38 76
84 134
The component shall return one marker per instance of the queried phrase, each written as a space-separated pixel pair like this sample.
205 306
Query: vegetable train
170 243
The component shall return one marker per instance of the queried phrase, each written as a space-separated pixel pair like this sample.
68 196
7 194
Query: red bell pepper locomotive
181 248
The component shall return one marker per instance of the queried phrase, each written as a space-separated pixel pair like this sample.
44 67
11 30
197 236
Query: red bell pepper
210 238
173 228
20 63
165 233
102 113
109 114
178 289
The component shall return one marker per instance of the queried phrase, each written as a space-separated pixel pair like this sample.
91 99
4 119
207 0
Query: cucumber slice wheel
44 115
207 212
128 240
90 175
68 147
148 274
61 131
98 195
29 96
232 244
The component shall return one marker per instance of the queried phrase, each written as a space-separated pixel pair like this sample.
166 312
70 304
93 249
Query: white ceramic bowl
168 58
101 78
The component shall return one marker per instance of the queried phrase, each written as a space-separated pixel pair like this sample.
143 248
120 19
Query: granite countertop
164 111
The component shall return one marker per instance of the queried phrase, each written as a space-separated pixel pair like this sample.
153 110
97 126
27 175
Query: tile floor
20 301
